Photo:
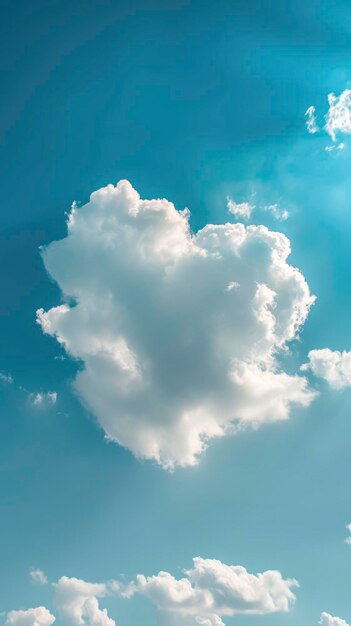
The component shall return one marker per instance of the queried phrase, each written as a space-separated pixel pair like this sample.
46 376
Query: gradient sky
193 102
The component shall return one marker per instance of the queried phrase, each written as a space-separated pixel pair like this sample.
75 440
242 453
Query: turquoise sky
194 102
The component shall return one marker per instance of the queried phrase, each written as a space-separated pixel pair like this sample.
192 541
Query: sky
174 375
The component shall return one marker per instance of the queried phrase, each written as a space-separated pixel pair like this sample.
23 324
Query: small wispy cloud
38 577
232 285
311 123
277 212
40 398
240 209
348 539
6 378
339 146
36 398
244 210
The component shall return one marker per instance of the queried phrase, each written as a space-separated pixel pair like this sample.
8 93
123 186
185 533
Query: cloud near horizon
39 616
77 602
208 591
172 354
212 590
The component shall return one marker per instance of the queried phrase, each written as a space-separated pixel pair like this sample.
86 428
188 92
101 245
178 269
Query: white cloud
173 352
277 212
40 616
38 576
212 590
232 285
328 620
241 210
208 592
311 123
6 378
213 621
339 146
40 398
77 602
333 366
348 539
337 118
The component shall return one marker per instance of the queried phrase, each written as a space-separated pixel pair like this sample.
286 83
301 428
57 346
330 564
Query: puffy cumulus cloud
241 210
337 118
178 333
329 620
212 590
38 576
77 602
40 616
207 593
333 366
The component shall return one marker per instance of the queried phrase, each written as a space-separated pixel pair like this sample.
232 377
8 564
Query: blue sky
193 102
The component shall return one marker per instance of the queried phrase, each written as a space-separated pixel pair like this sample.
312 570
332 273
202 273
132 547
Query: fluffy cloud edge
140 278
333 366
77 602
38 616
209 591
337 120
329 620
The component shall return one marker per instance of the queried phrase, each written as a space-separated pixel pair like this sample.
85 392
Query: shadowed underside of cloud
178 333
